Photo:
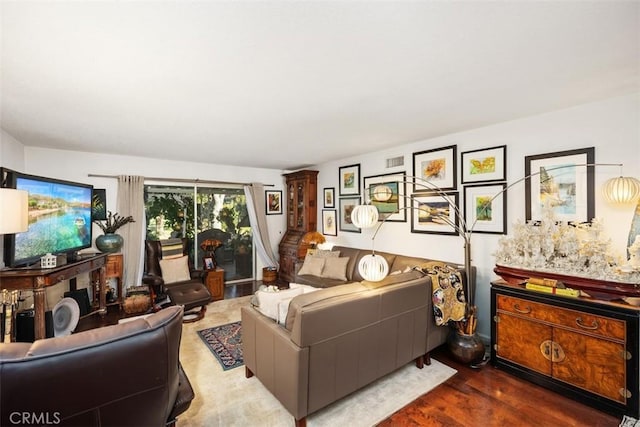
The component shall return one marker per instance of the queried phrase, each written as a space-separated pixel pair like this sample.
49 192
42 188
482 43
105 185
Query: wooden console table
38 279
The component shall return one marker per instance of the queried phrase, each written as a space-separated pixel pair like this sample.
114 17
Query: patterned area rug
225 342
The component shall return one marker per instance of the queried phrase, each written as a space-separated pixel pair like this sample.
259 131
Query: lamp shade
364 216
373 267
621 190
14 211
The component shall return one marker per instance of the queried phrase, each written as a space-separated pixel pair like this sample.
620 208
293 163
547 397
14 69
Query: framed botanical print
329 197
329 226
435 169
562 181
484 165
346 207
484 208
388 194
273 202
435 213
349 178
99 204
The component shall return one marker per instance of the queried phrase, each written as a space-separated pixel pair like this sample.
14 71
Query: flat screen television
59 218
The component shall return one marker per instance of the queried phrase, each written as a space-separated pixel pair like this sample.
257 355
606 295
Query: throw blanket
448 292
171 248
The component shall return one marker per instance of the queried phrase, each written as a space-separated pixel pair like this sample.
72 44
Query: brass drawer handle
517 308
594 324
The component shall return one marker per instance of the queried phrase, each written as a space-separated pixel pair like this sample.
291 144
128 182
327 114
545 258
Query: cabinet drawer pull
594 324
517 308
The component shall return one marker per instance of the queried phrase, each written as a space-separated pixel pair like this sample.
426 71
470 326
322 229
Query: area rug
227 398
225 342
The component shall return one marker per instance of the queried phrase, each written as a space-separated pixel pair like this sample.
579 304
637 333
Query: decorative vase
109 243
464 348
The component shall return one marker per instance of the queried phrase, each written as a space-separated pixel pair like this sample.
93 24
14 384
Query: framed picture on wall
346 207
99 204
329 226
273 202
349 179
435 213
329 197
387 192
484 208
436 169
563 181
484 165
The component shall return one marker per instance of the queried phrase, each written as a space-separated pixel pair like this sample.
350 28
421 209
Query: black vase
467 349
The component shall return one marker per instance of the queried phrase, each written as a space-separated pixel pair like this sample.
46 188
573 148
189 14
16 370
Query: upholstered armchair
176 279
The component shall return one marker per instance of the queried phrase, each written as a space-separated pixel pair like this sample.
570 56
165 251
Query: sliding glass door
200 213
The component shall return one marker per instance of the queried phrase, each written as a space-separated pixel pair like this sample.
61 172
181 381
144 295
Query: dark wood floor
472 397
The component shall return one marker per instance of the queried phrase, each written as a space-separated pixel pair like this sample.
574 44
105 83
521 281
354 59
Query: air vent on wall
395 162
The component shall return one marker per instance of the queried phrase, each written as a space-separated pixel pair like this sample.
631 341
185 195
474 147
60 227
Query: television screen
59 219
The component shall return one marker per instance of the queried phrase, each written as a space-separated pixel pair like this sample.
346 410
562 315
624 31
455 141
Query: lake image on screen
59 219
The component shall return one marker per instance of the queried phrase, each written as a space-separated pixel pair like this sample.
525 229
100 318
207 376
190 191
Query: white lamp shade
373 267
621 190
364 216
14 211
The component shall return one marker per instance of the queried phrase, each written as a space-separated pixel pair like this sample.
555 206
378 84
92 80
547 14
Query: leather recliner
191 294
122 375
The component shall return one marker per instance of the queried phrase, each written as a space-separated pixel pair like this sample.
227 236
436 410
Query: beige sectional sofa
341 338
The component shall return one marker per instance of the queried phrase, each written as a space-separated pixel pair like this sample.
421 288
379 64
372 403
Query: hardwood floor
473 397
491 397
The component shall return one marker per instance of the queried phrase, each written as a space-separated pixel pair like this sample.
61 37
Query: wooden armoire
302 213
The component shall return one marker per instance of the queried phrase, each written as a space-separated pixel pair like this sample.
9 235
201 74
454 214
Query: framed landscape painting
346 207
349 178
435 169
435 213
388 194
563 181
485 165
484 208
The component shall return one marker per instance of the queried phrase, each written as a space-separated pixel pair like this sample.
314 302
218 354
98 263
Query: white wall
11 157
611 126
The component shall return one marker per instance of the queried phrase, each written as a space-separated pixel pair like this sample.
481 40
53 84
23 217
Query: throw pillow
312 265
335 268
175 269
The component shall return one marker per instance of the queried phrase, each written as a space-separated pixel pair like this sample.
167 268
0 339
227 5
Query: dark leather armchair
192 293
121 375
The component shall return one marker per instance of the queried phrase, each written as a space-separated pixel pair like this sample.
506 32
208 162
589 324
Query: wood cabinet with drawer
582 348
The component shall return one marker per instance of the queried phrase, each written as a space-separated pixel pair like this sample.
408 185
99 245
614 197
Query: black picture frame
566 176
438 167
433 206
329 222
484 165
349 180
346 206
99 204
393 209
329 197
273 202
485 208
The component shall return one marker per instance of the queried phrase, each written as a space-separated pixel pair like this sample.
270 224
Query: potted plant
110 241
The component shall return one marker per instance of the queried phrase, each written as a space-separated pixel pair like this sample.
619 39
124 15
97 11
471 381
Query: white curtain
258 219
131 202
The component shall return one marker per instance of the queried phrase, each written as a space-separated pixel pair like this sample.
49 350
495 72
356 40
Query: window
201 213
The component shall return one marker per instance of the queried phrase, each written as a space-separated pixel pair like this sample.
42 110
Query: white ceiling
284 84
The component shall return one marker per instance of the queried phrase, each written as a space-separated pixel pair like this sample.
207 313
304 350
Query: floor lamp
375 268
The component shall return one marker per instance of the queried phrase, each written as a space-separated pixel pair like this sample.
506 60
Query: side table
113 270
214 280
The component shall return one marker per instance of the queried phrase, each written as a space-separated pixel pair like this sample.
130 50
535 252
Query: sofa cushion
393 279
175 269
321 253
308 299
319 282
335 268
312 265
